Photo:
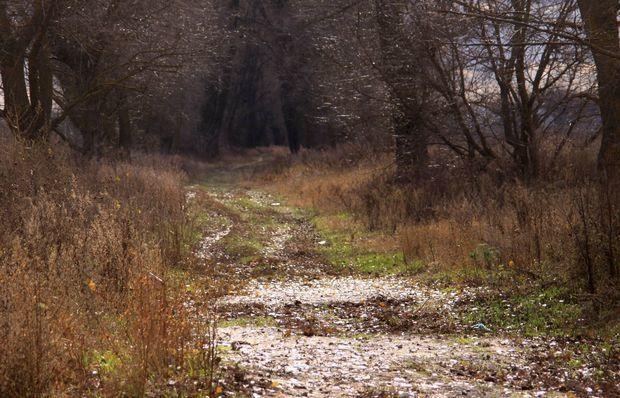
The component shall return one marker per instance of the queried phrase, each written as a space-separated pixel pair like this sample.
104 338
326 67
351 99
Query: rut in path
292 325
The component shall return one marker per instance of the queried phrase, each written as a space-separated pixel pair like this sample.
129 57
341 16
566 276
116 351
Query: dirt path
291 326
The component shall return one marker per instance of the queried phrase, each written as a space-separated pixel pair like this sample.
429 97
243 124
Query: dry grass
478 225
88 253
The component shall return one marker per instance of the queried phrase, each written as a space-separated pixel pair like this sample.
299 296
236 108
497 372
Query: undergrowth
551 311
90 254
469 226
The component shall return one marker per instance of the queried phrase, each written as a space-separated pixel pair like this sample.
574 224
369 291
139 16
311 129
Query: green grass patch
346 248
242 248
246 204
252 212
463 340
387 263
106 362
547 312
202 218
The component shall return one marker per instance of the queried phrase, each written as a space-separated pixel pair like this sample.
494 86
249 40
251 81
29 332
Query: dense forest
477 142
514 81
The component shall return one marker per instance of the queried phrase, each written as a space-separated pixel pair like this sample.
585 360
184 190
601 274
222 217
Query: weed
480 229
486 254
88 253
416 366
540 312
463 340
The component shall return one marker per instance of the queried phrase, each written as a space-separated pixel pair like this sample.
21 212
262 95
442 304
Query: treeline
494 81
511 82
496 113
500 117
104 76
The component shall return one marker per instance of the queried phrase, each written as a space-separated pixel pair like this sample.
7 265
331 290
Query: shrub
562 229
86 253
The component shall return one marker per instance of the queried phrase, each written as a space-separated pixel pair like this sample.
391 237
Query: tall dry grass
87 249
561 229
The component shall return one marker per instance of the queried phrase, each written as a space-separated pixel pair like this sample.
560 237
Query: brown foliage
562 229
85 254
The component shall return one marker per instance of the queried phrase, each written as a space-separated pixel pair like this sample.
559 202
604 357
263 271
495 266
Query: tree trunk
94 112
600 18
411 145
28 101
16 102
292 120
407 96
41 84
525 151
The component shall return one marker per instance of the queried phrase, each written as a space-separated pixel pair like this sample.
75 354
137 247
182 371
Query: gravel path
296 335
321 366
400 365
291 326
331 289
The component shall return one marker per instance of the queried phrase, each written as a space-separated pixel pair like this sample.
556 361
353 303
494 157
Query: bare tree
527 78
600 19
115 52
89 62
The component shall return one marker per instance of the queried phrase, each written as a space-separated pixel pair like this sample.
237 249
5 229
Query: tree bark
600 18
410 135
